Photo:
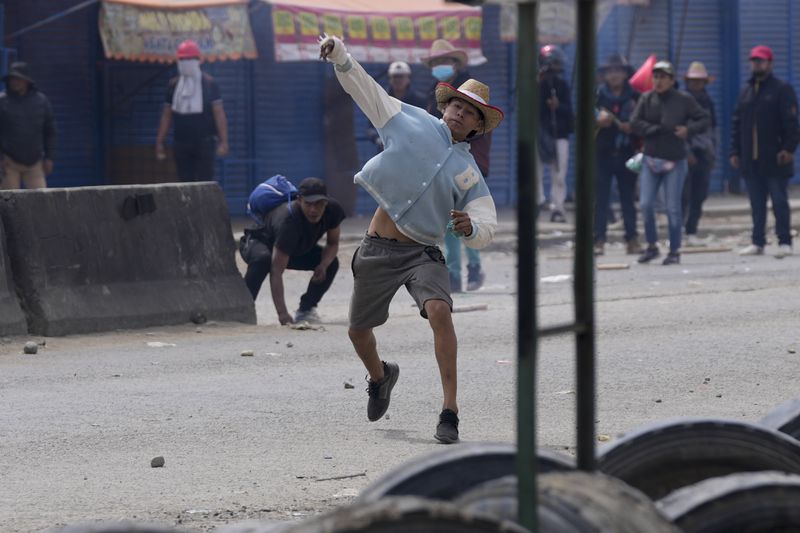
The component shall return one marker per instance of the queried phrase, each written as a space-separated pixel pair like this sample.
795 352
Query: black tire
447 474
660 458
573 502
785 418
404 515
752 501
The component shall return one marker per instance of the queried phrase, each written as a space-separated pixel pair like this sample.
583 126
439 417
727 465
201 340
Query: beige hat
477 94
443 48
697 71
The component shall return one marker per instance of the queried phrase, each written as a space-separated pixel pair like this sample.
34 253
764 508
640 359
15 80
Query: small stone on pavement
247 353
31 347
157 462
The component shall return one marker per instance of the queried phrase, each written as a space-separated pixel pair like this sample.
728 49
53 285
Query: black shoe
447 429
380 392
475 277
557 216
673 258
455 284
649 254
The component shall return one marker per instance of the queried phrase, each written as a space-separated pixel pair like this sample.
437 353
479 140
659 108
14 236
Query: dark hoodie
27 126
611 141
656 116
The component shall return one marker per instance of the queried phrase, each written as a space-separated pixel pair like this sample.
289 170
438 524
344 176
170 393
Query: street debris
198 318
303 326
556 279
198 330
31 348
613 266
658 400
602 437
347 476
468 308
247 353
157 462
504 361
289 344
706 249
792 350
161 344
567 391
348 385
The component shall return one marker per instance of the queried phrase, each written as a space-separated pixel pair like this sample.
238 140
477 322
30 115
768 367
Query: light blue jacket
421 174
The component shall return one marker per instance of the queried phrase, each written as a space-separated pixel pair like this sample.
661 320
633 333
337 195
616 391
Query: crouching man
288 239
424 181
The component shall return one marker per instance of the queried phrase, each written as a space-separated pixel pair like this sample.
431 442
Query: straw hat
697 71
443 48
477 94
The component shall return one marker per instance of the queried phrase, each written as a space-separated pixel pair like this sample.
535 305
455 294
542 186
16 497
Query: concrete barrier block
12 320
104 258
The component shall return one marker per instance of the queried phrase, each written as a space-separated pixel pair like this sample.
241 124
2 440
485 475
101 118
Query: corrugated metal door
62 57
288 128
701 42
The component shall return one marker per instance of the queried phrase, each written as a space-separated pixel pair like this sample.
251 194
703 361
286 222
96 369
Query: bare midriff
383 226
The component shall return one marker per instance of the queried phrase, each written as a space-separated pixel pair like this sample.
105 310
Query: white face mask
189 68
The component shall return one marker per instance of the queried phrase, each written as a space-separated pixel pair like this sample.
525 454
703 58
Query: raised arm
371 98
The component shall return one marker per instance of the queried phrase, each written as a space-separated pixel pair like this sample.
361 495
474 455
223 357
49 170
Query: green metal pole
584 218
527 208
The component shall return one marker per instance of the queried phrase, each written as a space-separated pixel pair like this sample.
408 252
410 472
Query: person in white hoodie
194 102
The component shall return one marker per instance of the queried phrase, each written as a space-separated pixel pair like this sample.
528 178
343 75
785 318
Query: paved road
254 437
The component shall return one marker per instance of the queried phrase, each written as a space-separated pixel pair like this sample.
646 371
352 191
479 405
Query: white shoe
694 240
752 249
783 251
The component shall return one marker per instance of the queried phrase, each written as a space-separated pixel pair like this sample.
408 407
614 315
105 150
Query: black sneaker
558 216
673 258
447 429
649 254
380 392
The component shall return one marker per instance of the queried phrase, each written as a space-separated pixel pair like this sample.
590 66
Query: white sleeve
484 222
371 98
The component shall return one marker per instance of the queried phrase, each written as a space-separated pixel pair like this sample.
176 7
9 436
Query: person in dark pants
288 239
764 137
448 64
702 153
27 131
201 128
616 100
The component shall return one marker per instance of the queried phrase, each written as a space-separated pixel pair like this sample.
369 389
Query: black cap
313 190
18 70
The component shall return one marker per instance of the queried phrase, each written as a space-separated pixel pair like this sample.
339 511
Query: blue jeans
608 167
758 188
649 184
452 254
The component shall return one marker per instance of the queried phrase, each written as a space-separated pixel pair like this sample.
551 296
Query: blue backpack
269 195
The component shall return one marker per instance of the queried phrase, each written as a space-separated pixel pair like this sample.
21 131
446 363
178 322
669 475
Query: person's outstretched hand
331 48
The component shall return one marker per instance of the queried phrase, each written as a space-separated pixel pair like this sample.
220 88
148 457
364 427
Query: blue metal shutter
701 42
288 109
62 57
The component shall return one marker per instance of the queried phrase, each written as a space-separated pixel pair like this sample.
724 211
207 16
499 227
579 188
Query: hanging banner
379 37
556 19
139 33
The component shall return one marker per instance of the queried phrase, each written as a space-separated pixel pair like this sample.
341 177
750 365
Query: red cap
761 52
188 49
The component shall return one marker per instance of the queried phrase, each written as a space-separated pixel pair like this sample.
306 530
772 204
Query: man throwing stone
424 181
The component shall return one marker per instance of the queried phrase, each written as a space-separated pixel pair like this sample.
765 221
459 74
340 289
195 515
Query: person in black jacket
665 117
702 153
27 131
763 140
616 100
556 124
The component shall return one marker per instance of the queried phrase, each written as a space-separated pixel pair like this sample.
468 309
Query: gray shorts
381 266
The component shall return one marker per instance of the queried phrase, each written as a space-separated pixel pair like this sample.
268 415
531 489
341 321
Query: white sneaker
694 240
783 251
752 249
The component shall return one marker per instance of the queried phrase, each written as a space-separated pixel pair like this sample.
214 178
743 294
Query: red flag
642 79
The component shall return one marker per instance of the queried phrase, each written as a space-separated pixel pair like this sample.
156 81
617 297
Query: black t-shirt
196 127
292 233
